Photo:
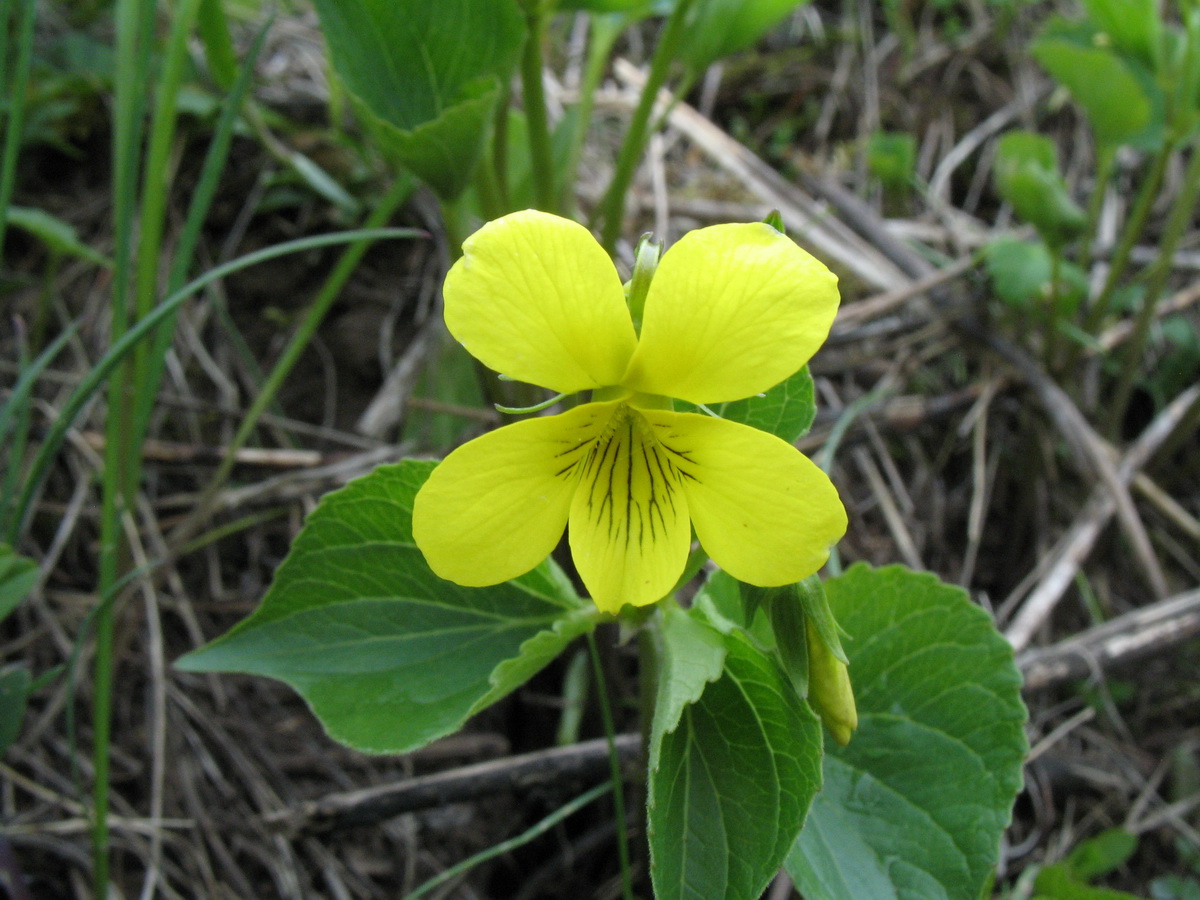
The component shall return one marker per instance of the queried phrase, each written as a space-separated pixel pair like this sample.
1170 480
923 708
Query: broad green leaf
1132 25
1101 82
1020 270
729 606
786 410
17 576
57 235
692 655
732 782
717 28
425 76
14 693
1026 171
1057 882
1102 854
914 806
388 655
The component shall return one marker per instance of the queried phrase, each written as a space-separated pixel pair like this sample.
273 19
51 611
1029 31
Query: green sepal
811 594
791 644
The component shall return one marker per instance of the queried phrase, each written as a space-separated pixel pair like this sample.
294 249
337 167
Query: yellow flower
732 310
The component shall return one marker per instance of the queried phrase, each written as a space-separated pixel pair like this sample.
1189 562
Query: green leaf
791 641
212 26
1026 170
692 655
17 576
1058 883
786 410
14 694
388 655
729 605
58 236
1133 26
914 806
1020 270
892 158
730 785
717 28
1101 82
1101 854
425 76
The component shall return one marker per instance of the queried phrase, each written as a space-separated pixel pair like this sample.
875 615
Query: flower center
630 487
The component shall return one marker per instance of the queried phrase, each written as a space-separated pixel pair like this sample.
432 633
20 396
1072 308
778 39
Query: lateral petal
535 297
496 506
732 311
629 531
764 512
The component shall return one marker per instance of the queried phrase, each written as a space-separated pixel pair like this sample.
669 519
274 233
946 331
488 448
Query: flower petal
495 507
629 532
732 311
535 297
764 512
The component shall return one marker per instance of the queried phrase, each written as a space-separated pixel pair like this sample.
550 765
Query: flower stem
1133 230
612 207
535 108
1050 322
604 32
614 762
1177 222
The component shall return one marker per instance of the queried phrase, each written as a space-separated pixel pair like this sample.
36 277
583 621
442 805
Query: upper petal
732 311
495 507
535 297
764 512
629 532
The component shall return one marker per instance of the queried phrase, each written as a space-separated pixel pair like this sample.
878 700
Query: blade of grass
118 351
213 27
20 419
202 197
612 207
605 29
14 122
157 176
296 345
19 398
134 46
1178 220
535 108
14 416
521 839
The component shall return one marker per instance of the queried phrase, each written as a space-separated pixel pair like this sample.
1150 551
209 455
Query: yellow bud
829 691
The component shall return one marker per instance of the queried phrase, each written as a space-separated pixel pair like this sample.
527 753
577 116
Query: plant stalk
614 762
612 207
1134 226
535 108
1177 223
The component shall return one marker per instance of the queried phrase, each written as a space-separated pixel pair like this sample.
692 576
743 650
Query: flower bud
829 691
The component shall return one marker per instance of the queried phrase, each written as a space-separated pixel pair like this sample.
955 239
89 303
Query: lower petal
495 507
764 512
630 533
